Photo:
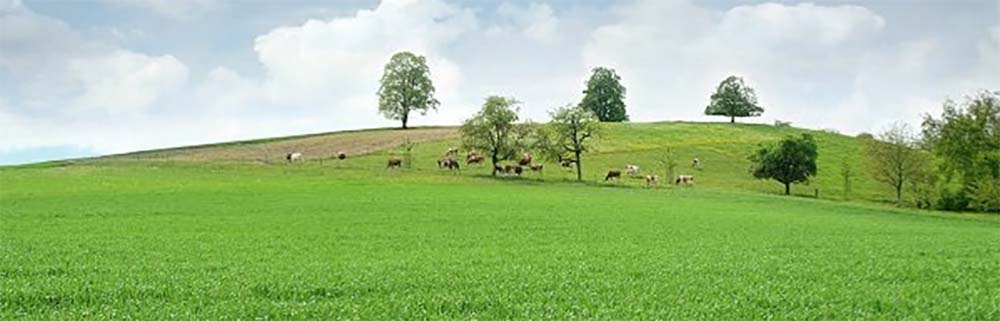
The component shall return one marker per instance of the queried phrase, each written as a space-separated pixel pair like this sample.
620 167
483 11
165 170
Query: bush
782 124
985 195
956 200
865 136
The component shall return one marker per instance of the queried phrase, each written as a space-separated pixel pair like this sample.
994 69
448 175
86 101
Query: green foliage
985 195
967 136
894 159
733 98
792 160
605 96
668 161
406 87
846 173
494 130
569 131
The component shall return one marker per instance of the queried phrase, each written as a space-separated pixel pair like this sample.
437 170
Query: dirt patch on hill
322 146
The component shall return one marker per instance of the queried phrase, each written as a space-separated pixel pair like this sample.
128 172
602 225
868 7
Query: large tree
494 130
568 132
893 158
792 160
406 87
605 95
734 98
967 139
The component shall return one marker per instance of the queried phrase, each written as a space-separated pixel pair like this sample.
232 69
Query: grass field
113 239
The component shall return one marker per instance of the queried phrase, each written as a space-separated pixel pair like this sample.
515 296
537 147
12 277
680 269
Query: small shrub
952 200
782 124
865 136
985 195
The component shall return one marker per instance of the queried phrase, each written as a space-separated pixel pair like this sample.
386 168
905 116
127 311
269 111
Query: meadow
155 238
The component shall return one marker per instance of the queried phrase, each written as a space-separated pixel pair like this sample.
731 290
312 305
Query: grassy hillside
722 147
188 234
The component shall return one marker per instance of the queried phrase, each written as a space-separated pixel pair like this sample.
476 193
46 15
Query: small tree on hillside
669 163
733 98
406 87
893 158
494 129
792 160
569 131
605 96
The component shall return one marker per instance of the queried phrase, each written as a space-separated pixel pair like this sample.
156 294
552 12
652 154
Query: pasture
130 238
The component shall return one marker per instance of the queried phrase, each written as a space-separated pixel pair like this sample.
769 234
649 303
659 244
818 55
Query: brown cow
449 163
684 179
536 167
525 160
394 163
498 169
518 170
474 159
613 174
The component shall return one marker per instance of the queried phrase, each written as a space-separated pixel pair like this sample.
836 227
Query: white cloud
124 81
171 8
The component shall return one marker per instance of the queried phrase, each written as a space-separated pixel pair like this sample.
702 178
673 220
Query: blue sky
81 78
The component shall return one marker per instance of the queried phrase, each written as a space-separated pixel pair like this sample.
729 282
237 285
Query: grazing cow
567 163
632 169
525 160
613 174
474 159
341 155
684 179
513 169
452 151
293 157
518 170
696 163
394 163
449 163
651 180
536 167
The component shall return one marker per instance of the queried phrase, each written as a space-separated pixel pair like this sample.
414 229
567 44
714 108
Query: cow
498 169
684 179
394 163
651 180
537 168
567 163
632 169
449 163
452 151
525 160
293 157
341 155
696 163
474 159
518 170
613 174
513 169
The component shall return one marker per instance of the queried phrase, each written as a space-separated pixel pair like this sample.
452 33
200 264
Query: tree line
952 164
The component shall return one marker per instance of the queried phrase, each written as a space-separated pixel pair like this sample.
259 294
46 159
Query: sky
85 78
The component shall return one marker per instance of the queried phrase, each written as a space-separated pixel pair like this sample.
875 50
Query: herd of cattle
526 162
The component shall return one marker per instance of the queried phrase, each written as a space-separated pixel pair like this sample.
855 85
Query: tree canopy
406 87
792 160
734 98
605 96
494 130
568 132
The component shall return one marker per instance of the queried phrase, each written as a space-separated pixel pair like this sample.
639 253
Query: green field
159 239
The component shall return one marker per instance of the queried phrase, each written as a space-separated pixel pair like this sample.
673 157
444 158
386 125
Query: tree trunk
579 170
494 158
732 119
788 188
899 194
405 118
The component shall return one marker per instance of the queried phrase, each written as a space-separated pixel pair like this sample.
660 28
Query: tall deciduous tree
893 158
605 95
792 160
568 132
406 87
494 129
734 98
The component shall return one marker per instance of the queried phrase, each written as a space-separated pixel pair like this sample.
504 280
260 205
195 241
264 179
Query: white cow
293 157
632 169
